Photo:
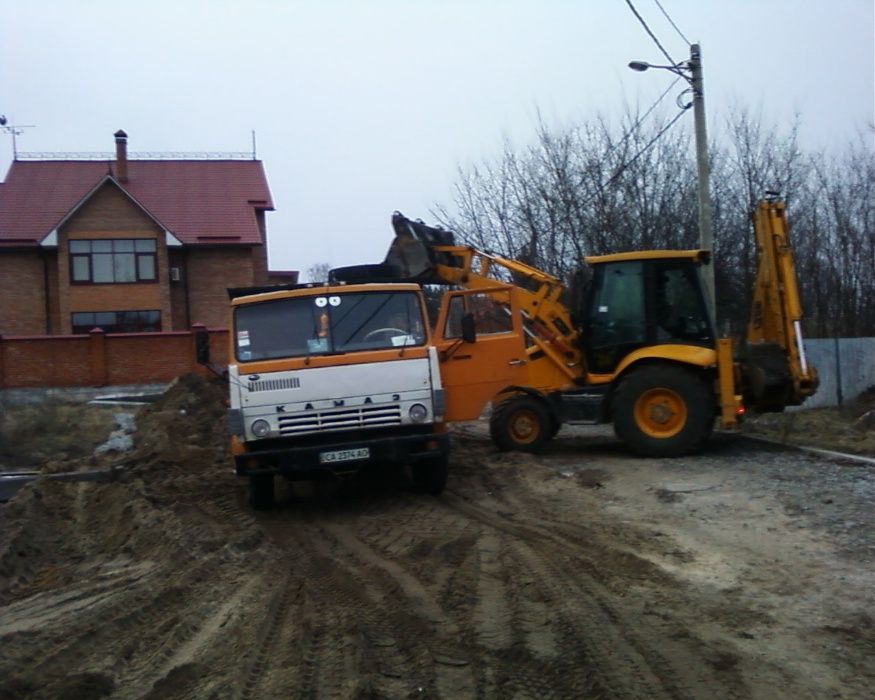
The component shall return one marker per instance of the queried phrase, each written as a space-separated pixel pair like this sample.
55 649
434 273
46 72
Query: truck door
473 373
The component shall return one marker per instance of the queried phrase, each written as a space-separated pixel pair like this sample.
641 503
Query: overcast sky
363 107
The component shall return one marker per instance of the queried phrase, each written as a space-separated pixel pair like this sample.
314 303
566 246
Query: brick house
129 245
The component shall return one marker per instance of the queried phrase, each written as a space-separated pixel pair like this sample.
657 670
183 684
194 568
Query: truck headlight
260 428
418 413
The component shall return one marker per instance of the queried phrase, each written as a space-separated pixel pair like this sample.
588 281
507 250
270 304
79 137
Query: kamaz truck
327 380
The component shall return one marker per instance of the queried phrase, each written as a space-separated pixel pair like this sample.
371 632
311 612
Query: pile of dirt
168 507
849 428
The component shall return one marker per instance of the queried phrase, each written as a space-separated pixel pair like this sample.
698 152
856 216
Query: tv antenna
15 130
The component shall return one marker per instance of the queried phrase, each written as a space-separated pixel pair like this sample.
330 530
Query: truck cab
328 380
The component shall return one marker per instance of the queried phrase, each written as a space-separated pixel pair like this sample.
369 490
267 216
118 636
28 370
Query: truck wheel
430 475
663 411
521 423
261 491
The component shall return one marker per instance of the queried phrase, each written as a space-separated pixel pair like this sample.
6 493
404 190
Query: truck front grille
340 419
274 384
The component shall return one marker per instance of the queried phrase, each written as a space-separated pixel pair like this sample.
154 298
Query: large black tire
521 423
261 491
430 475
664 411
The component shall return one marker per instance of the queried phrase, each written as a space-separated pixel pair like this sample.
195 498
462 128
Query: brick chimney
121 156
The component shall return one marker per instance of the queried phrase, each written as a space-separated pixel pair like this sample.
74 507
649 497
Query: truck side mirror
469 328
202 346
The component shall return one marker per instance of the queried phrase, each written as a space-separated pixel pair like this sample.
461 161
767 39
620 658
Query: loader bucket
412 252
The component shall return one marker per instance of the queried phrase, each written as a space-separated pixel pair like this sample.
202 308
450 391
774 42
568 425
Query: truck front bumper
306 461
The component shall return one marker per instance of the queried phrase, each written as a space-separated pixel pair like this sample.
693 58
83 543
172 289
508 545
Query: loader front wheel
521 423
663 411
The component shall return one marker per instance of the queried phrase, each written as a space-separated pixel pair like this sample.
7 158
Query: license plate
344 455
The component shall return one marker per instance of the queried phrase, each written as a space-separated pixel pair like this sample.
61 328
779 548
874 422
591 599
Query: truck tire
664 411
521 423
430 475
261 491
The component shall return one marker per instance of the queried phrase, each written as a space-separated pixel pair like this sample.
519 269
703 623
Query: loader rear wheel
663 411
261 491
521 423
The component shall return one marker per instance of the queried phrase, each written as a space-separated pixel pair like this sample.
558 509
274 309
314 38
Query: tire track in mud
465 596
265 642
140 611
590 617
346 636
412 623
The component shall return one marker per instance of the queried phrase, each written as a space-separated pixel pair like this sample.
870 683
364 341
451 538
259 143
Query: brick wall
210 272
100 359
23 305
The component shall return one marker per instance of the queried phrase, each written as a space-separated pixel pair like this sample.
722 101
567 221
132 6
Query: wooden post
97 356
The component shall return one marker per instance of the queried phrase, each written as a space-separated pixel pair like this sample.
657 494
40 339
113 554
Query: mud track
581 573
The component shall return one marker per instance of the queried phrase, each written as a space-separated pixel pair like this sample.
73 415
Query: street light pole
691 71
706 227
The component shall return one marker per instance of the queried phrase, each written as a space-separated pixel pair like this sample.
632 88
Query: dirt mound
179 464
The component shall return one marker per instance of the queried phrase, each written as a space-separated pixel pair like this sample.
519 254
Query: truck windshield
331 323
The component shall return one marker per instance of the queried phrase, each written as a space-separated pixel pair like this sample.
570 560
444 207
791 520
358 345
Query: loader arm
547 322
775 369
429 255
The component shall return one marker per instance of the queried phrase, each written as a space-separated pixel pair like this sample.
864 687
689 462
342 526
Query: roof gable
197 202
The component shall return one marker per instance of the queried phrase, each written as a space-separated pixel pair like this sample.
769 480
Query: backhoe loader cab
640 300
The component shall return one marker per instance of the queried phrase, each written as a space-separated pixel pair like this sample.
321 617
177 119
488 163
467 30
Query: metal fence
846 367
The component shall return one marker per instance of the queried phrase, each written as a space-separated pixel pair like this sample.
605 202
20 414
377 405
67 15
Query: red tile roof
201 202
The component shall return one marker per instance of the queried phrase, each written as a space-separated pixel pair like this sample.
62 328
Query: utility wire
671 22
652 35
641 119
640 153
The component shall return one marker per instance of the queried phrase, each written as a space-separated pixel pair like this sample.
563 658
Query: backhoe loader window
491 314
616 323
618 306
678 310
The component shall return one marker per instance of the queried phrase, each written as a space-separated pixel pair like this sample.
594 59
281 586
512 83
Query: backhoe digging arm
774 366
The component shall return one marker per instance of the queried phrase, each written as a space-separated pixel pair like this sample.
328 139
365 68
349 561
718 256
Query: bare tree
600 187
318 272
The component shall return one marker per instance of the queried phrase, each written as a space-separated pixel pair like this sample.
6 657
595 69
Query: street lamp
691 71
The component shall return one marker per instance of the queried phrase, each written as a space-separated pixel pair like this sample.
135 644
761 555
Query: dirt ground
745 572
850 428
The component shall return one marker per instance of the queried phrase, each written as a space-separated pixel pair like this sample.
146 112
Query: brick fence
104 359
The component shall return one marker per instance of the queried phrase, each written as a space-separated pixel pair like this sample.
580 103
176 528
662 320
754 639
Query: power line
652 35
644 116
640 153
671 22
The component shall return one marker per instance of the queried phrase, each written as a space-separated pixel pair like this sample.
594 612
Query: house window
113 261
117 321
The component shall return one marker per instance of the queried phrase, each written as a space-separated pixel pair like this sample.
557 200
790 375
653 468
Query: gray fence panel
846 367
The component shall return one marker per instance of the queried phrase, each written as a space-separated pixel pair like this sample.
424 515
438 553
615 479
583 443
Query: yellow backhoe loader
640 352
